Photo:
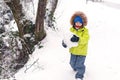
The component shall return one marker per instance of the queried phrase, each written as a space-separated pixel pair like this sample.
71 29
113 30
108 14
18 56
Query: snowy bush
13 55
5 14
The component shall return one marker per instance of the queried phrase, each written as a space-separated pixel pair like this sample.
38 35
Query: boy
79 52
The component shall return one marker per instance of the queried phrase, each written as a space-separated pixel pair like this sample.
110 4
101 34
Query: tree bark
16 8
39 26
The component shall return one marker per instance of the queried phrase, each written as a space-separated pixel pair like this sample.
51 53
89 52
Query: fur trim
82 15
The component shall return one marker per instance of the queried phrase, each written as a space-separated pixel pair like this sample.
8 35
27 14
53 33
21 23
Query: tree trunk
52 4
16 8
39 26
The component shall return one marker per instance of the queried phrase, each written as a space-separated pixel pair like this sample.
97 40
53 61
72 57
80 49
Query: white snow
102 62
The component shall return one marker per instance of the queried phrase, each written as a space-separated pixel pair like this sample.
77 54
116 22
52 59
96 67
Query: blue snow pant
77 63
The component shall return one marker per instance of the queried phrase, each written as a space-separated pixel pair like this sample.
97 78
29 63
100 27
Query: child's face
78 25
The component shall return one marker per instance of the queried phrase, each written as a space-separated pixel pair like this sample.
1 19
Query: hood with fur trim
82 15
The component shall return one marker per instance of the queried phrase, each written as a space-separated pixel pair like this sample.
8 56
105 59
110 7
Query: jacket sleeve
84 36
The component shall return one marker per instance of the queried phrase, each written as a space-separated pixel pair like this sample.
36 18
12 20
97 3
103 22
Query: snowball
68 42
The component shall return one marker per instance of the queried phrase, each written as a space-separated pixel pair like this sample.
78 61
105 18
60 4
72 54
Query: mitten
63 44
74 38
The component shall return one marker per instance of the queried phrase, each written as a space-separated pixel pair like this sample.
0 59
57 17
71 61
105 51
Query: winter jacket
81 48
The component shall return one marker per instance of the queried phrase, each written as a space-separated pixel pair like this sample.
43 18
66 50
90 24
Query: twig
31 65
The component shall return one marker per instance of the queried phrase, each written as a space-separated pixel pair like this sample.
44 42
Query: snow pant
77 63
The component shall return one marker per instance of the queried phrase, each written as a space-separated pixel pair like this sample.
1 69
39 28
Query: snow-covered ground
102 63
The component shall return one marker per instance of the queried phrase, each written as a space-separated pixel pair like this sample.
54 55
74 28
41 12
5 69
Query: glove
74 38
63 44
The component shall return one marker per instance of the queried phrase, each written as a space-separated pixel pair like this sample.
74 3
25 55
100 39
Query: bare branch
31 65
